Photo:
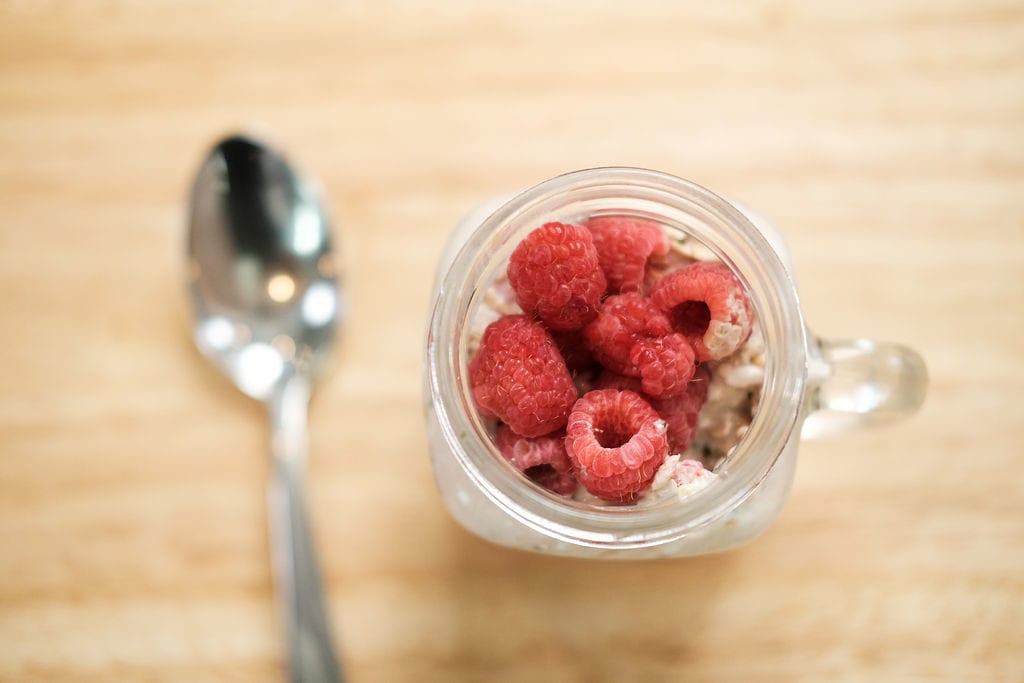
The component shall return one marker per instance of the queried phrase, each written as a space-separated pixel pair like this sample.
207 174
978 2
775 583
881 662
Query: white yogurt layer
677 478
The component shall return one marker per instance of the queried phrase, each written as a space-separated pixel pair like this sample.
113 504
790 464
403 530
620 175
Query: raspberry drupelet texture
623 247
616 442
557 277
613 380
518 376
681 412
666 365
662 266
707 304
622 321
543 459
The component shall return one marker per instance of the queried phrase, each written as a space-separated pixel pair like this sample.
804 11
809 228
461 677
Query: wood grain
886 138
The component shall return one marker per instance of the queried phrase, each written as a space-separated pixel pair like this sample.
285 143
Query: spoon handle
299 593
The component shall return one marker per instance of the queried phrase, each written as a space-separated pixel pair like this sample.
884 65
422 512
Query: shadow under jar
809 385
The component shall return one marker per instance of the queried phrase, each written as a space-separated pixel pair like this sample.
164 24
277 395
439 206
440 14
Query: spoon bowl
263 285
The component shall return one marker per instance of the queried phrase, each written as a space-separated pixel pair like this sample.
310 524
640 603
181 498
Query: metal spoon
266 308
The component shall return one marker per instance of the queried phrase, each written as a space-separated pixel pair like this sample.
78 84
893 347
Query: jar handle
861 382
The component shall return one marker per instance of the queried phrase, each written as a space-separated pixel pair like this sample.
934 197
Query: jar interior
492 297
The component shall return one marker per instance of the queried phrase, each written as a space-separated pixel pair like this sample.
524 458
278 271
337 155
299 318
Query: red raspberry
622 321
613 380
542 459
707 304
556 275
574 351
662 266
682 411
665 364
616 442
623 247
518 376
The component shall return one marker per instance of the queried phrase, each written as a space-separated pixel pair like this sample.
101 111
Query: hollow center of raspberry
610 436
691 318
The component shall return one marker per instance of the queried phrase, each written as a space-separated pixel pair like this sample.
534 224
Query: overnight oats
617 366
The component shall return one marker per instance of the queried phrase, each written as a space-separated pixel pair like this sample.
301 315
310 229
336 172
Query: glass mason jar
811 387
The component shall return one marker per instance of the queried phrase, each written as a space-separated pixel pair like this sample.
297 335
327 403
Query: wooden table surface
887 139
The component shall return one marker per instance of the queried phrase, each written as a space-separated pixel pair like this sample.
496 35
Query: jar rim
711 220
